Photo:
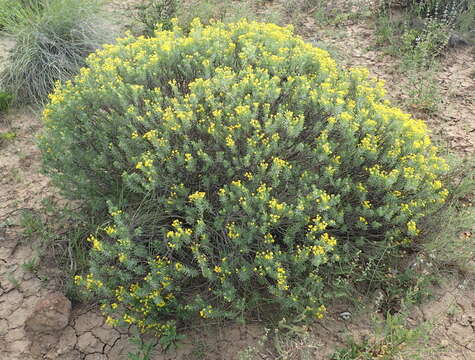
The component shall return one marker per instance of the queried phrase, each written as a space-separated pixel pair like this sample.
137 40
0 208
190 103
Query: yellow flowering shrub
241 166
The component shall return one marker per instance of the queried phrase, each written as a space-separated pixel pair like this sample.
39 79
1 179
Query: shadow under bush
241 167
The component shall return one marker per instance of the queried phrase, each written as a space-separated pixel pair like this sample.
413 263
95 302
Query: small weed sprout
5 101
144 349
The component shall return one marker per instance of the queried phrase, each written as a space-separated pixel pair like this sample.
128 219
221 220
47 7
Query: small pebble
345 315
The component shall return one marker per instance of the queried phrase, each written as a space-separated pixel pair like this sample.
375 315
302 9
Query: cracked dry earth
37 322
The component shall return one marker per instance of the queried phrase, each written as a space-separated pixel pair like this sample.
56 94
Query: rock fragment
49 315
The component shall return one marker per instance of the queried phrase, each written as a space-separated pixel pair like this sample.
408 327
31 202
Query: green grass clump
56 232
5 101
52 37
394 339
242 169
11 10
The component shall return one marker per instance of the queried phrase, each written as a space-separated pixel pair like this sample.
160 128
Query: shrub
52 38
225 11
242 168
447 11
153 13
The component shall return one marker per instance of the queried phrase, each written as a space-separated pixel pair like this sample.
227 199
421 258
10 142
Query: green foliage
145 349
56 232
394 339
422 88
12 10
446 10
324 12
449 12
419 38
450 232
466 19
421 30
153 13
404 284
31 265
6 137
12 280
219 10
170 338
421 49
51 40
419 44
5 101
242 169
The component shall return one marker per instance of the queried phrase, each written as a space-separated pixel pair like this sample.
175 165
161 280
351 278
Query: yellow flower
412 227
363 220
330 240
437 184
111 321
248 175
269 239
281 163
110 230
116 213
320 312
229 141
197 196
361 187
96 244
